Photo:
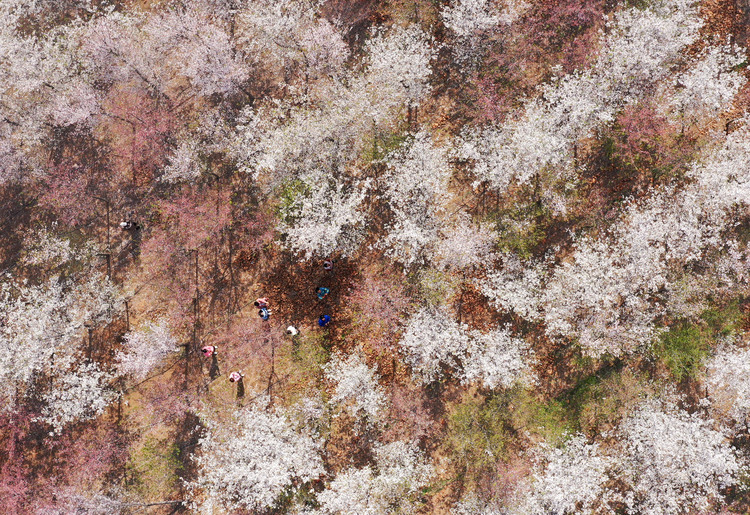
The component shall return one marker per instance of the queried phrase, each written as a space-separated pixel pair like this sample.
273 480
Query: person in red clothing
261 302
208 350
236 377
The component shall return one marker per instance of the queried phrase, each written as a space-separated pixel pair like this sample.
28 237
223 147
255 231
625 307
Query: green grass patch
381 143
599 401
522 228
478 433
435 287
482 430
290 194
153 468
686 345
682 349
303 355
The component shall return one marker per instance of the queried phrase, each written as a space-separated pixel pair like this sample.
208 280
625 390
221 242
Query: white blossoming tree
465 17
43 86
464 246
709 86
290 35
728 383
80 394
163 50
722 175
43 328
673 461
251 460
613 290
183 163
516 287
416 192
567 480
357 389
431 341
325 216
285 139
473 20
392 486
144 349
637 50
497 359
434 343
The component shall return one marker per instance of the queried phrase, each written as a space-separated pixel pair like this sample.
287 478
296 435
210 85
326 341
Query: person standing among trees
322 292
262 303
129 225
324 320
236 377
210 351
293 332
328 265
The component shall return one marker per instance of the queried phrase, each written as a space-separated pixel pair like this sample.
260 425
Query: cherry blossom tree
709 86
290 35
398 68
466 17
80 394
303 136
672 461
727 382
596 300
43 324
471 20
431 341
471 504
326 217
721 173
613 291
497 359
184 163
248 462
160 49
43 87
44 249
516 287
393 485
416 192
71 500
636 51
144 349
567 479
202 51
464 246
357 390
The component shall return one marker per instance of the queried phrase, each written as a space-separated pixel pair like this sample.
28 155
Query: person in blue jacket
324 320
264 313
322 292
